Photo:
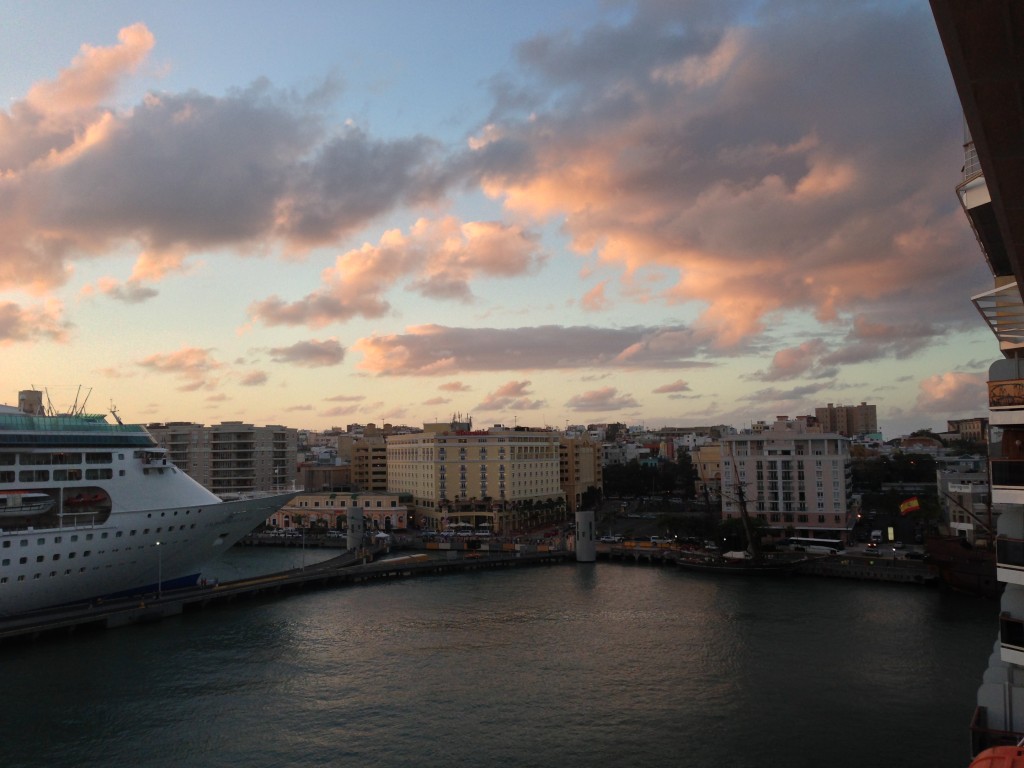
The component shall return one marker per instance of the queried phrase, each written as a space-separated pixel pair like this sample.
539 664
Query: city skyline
659 213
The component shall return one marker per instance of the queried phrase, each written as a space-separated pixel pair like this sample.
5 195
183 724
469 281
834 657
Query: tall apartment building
981 41
369 463
795 480
507 478
847 420
231 457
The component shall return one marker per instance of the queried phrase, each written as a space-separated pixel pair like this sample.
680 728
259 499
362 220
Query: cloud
437 401
428 350
454 386
254 379
600 400
953 393
183 172
725 163
793 362
128 292
676 386
439 259
595 300
345 398
195 366
511 396
310 354
42 322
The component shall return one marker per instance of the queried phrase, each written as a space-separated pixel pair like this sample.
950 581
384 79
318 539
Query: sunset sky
313 213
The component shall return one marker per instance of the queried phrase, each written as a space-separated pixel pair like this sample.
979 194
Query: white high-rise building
795 480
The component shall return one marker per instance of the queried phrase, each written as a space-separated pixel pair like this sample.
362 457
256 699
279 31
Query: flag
910 505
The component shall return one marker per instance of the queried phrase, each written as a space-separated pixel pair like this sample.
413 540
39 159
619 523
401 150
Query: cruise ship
91 509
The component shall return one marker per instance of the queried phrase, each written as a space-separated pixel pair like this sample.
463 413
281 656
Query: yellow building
504 478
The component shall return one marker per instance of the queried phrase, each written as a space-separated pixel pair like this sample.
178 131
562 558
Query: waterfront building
231 457
796 480
381 511
847 420
982 41
505 477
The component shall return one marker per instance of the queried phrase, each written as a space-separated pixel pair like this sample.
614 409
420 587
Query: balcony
1010 560
983 737
1011 639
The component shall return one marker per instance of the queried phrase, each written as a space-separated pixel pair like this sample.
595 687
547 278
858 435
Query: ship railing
983 737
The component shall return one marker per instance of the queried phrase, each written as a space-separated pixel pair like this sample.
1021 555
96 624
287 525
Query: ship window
7 459
88 537
71 555
119 534
21 578
52 574
6 561
57 556
133 533
22 560
104 535
24 542
67 572
120 473
41 542
145 531
35 576
33 459
40 558
87 553
7 545
98 458
99 474
3 580
74 537
33 476
6 477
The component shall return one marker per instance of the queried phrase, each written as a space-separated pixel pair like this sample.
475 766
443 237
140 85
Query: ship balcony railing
983 737
1008 472
1010 553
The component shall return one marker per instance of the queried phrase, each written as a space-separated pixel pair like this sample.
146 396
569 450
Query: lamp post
159 572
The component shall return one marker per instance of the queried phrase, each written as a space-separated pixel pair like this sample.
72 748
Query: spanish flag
910 505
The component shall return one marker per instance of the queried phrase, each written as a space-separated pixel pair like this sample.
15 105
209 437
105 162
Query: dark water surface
575 665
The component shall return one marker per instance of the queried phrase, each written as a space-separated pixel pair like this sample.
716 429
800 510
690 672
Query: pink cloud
314 353
953 392
42 322
439 259
601 400
195 366
511 396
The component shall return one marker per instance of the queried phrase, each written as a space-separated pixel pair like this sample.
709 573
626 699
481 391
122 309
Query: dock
343 571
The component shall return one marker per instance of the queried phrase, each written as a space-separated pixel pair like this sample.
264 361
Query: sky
668 213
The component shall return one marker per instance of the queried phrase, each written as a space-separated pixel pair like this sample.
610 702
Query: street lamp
159 572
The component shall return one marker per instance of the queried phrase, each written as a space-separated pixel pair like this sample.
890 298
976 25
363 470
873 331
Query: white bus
804 544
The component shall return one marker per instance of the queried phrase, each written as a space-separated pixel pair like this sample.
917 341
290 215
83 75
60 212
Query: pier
343 571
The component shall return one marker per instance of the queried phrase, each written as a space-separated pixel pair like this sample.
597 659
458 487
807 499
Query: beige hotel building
503 478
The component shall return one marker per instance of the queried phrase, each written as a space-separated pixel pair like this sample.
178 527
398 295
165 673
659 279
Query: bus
804 544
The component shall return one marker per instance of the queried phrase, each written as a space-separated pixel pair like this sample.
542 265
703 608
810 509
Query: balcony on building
1006 456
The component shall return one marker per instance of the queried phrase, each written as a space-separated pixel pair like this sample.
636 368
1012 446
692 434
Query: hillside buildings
796 480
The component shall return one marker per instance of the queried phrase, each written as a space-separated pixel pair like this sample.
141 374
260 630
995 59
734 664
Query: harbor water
569 665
